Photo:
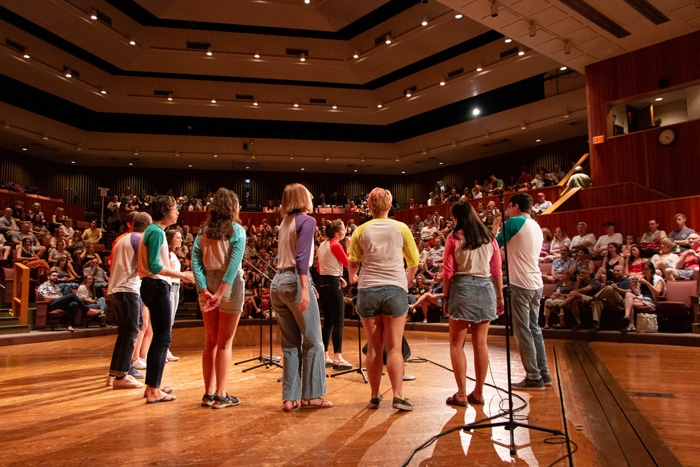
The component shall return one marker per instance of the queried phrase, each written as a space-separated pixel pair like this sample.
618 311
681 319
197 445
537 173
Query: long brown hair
221 215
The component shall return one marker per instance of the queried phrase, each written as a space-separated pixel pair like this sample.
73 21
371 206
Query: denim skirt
472 299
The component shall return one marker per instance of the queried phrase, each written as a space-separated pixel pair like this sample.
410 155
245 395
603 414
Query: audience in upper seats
542 204
584 290
561 263
25 233
565 285
612 259
583 239
679 237
601 246
558 174
525 178
7 224
476 192
665 258
579 179
687 263
650 242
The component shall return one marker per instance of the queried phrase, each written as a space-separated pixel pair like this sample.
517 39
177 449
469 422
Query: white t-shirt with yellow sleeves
381 245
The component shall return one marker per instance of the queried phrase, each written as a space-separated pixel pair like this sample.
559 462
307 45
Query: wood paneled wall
637 157
48 205
56 180
610 195
565 153
194 219
628 218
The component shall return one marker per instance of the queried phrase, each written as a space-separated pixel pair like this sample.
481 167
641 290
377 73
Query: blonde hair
296 198
379 202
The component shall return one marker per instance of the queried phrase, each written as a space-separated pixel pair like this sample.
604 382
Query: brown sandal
473 400
295 405
453 400
306 404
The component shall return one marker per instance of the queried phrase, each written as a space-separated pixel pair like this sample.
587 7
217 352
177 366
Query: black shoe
529 385
403 404
226 401
375 401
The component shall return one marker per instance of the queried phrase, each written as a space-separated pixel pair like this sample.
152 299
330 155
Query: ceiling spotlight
136 152
44 137
424 22
458 15
257 54
189 165
443 82
307 1
494 9
131 163
93 14
398 159
408 93
79 148
132 42
24 149
355 170
566 114
103 91
425 151
532 29
209 52
659 99
523 126
5 125
479 67
213 101
216 155
302 58
26 56
379 105
356 54
487 135
362 158
255 102
247 167
170 96
291 157
403 171
537 140
521 52
454 143
328 158
334 106
563 68
567 48
508 40
296 104
441 163
302 168
68 72
177 153
476 111
72 162
387 39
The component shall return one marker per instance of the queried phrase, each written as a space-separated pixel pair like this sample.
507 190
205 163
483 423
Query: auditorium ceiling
373 86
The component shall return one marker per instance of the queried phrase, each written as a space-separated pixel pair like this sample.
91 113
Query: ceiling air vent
454 73
14 45
317 101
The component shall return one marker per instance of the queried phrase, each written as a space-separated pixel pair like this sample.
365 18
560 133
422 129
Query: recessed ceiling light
476 112
302 168
26 56
132 42
458 15
355 170
307 1
255 103
213 101
103 91
296 104
403 171
189 165
334 107
521 52
257 54
508 40
170 97
356 54
302 57
442 82
216 155
247 167
441 163
209 52
563 68
379 105
93 15
479 67
131 163
424 22
387 39
24 149
72 162
537 140
659 99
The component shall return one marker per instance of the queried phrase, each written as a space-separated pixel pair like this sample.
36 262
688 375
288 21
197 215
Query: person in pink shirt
472 297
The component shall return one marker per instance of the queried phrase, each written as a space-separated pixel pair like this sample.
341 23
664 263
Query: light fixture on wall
379 105
407 93
209 52
67 72
257 54
387 39
213 101
302 57
532 30
170 96
93 15
424 22
479 67
494 9
296 105
443 82
521 52
356 54
334 106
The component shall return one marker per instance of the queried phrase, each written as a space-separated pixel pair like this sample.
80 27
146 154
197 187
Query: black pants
330 296
70 303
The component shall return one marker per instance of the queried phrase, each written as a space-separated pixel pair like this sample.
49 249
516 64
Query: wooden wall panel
638 157
48 206
622 193
194 219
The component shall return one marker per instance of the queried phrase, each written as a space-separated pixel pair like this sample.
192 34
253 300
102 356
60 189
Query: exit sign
598 139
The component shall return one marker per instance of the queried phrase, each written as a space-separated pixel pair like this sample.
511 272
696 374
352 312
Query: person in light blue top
216 264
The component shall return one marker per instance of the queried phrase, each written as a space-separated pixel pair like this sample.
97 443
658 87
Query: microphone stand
510 424
270 360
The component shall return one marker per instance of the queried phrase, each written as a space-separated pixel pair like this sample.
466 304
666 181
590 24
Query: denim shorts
686 274
232 301
387 300
472 299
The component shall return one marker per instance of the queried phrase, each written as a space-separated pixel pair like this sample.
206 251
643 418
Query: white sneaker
127 382
139 364
110 381
171 358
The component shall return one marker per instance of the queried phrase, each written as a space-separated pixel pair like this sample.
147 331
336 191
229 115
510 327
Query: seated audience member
476 192
627 245
427 269
467 195
559 265
93 234
546 244
687 263
583 261
601 246
542 204
431 199
480 211
612 295
584 290
650 242
583 239
559 240
496 185
525 178
437 252
18 211
70 303
59 216
612 259
427 299
88 255
453 197
86 293
8 226
665 258
491 207
36 211
25 233
38 227
426 233
67 278
558 174
77 245
100 277
27 256
564 286
679 237
579 179
58 252
66 229
646 290
5 249
635 261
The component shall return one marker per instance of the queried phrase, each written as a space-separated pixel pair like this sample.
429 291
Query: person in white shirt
601 246
542 204
583 239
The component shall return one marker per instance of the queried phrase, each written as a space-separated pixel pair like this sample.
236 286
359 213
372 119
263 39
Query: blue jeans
70 303
128 313
304 362
101 304
389 300
526 310
155 294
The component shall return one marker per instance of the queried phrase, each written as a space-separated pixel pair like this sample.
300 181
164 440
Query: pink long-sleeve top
484 261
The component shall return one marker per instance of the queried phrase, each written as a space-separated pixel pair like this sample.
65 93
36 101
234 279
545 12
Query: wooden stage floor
625 404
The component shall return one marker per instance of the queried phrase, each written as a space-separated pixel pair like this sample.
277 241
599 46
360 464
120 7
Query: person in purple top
294 300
